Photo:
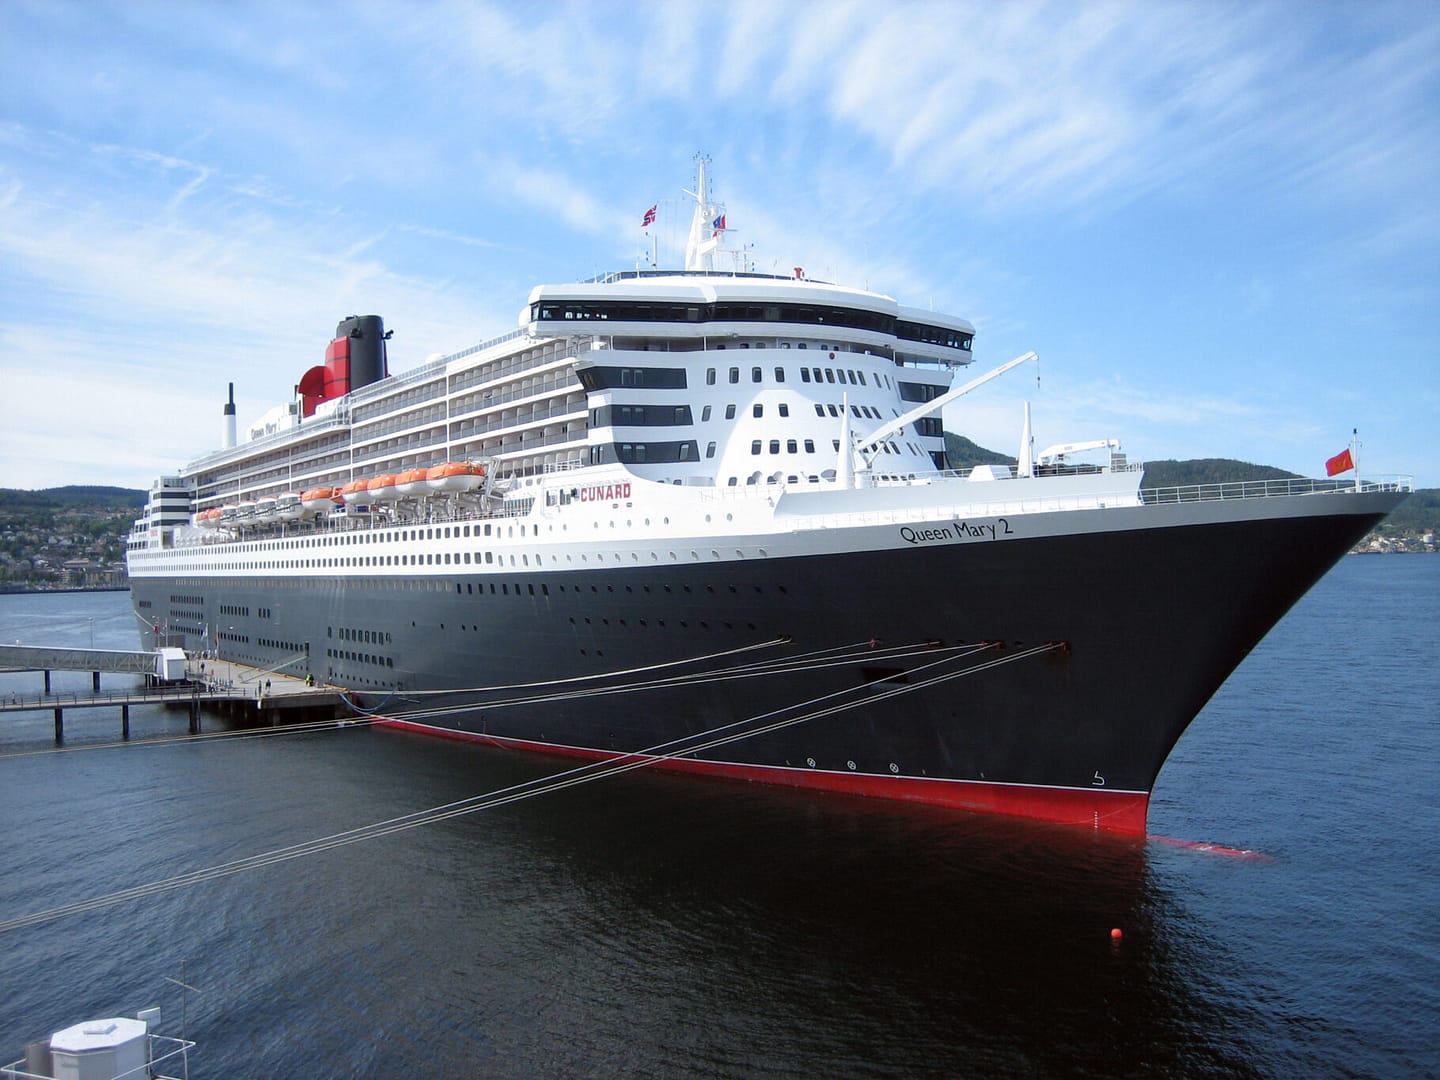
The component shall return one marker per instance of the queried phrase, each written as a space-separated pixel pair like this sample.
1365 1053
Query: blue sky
1217 224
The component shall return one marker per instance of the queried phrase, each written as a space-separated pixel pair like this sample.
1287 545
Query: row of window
647 453
807 374
365 637
802 314
360 658
791 447
284 646
640 415
607 378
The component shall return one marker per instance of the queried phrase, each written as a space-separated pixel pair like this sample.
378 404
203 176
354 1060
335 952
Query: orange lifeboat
383 489
411 482
318 500
455 476
355 492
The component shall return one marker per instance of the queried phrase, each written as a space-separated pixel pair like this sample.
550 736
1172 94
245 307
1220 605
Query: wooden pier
253 695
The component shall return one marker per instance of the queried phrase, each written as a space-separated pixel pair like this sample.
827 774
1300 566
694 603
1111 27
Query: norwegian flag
649 218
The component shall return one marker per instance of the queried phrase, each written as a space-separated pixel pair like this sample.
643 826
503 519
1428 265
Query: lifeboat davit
411 482
265 508
287 506
383 489
355 492
229 512
455 476
245 510
318 500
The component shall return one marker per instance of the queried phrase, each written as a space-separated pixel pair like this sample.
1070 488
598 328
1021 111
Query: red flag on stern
1341 462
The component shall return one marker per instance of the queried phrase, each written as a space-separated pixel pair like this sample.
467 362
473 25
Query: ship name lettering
985 530
922 536
605 492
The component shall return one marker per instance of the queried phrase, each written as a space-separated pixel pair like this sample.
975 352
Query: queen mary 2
701 518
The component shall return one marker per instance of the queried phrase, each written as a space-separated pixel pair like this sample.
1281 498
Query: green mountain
1208 471
73 497
963 454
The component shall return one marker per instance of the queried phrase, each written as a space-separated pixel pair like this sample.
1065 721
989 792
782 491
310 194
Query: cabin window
809 446
774 446
804 374
710 450
755 374
758 410
705 414
790 447
710 376
784 409
729 412
734 374
779 374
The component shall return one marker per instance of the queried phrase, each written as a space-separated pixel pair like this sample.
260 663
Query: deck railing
1261 489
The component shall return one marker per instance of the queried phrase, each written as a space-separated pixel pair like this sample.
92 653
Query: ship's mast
704 237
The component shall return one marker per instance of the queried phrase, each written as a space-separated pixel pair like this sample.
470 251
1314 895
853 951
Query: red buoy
1116 935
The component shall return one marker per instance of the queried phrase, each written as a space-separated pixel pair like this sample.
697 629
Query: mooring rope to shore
622 763
859 653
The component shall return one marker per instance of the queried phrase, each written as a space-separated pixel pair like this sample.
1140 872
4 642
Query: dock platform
253 694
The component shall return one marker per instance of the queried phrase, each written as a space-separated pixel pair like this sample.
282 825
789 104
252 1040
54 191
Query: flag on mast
1341 462
649 218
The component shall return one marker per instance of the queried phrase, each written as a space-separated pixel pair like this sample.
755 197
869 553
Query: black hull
1115 639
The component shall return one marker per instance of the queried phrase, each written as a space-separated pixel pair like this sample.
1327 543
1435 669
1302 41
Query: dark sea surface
654 926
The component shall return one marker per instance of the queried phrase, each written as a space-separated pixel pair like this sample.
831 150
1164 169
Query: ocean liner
703 517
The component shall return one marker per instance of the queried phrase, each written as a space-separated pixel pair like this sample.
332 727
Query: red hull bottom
1113 811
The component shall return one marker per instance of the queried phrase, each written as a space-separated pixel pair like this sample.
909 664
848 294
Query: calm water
651 926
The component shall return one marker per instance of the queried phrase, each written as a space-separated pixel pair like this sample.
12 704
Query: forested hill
74 497
1208 471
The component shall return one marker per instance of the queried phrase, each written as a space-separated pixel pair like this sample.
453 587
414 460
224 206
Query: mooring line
527 789
778 666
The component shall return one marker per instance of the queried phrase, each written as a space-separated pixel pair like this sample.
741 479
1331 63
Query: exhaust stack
228 435
356 357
